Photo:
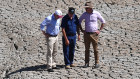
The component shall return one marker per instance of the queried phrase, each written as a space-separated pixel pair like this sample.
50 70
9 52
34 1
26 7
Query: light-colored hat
88 5
59 13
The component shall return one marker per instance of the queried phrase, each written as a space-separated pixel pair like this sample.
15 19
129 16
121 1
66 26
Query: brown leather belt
90 32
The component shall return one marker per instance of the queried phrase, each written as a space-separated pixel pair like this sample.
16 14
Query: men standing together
70 25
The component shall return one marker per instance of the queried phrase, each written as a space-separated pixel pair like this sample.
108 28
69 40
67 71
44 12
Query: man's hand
78 37
98 31
46 35
67 42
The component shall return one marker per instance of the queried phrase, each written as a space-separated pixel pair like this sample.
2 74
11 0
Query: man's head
71 11
58 14
88 7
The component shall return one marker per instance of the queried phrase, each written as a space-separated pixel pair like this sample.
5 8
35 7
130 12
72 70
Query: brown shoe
72 65
68 67
86 65
97 66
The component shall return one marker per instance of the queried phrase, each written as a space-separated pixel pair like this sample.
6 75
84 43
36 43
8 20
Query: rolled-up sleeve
44 24
63 24
77 21
101 18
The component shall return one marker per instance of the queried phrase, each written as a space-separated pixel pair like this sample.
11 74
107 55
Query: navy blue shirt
70 25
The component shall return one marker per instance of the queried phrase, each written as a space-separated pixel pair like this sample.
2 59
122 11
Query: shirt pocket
93 18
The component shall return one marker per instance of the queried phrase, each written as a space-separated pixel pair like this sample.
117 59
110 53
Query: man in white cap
52 24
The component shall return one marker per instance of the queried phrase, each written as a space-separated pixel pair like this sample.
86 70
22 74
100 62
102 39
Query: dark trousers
69 50
88 39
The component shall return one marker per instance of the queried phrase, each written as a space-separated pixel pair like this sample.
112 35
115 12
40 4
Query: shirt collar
72 16
93 10
53 16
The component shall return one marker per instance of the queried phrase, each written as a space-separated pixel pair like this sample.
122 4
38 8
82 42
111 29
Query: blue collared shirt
52 25
70 25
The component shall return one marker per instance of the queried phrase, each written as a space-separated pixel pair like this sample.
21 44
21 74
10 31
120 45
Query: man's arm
102 25
43 30
47 35
78 32
80 21
65 36
43 25
80 27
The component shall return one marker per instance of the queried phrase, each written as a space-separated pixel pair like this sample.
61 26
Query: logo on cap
71 10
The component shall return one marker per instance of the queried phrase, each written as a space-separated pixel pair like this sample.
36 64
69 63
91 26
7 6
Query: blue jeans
69 50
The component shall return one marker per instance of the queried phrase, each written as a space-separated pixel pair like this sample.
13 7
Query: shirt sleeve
44 24
81 18
63 24
100 18
77 21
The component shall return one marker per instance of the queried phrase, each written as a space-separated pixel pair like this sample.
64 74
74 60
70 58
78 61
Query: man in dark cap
69 26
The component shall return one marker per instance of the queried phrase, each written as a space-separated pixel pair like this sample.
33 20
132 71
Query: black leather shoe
86 65
97 65
50 70
56 67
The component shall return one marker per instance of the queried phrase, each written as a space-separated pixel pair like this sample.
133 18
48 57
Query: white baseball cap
59 13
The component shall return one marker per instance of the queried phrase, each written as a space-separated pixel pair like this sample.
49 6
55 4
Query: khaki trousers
52 47
88 39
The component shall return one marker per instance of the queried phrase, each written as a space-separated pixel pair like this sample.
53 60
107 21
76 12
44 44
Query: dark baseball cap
71 10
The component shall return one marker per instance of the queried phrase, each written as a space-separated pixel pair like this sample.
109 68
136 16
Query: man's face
88 10
56 17
70 15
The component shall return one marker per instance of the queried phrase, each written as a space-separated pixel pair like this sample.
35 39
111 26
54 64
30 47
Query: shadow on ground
31 68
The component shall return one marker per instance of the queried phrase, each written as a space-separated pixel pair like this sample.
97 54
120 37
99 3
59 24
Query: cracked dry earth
23 47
